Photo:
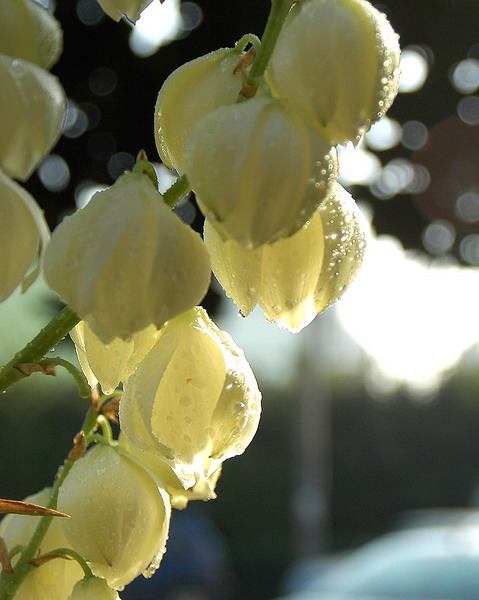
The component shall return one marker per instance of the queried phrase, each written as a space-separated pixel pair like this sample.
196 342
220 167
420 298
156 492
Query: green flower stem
248 38
34 351
83 387
106 429
78 557
15 550
277 15
10 582
176 191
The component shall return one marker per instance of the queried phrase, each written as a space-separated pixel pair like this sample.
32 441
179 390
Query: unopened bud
93 588
338 62
32 107
193 400
190 93
126 261
119 519
258 170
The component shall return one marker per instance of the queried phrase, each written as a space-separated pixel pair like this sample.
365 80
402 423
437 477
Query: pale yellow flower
119 518
125 261
190 93
202 490
294 279
193 401
110 364
258 170
338 62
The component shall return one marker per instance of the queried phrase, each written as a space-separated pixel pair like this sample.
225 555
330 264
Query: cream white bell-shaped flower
55 579
119 518
338 62
258 170
30 32
294 279
24 233
193 401
125 261
179 496
190 93
131 9
110 364
93 588
32 109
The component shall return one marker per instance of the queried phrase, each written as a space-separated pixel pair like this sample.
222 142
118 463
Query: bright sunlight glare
413 316
158 25
414 70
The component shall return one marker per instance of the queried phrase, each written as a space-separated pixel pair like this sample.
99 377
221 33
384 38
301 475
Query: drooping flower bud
258 170
93 588
338 62
23 233
54 579
110 364
294 279
202 490
119 518
193 401
126 261
28 31
131 9
190 93
32 107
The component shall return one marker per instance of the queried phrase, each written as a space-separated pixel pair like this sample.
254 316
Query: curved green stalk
82 384
78 557
41 344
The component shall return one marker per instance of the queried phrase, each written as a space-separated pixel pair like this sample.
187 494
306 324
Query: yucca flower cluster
258 148
280 230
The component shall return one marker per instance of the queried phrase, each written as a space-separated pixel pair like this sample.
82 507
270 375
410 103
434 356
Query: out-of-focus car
435 556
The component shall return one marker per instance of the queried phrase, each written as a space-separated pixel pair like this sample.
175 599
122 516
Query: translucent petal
110 364
344 246
193 400
202 490
294 279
